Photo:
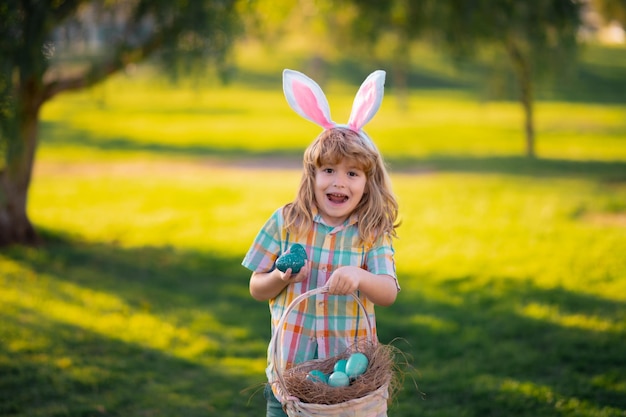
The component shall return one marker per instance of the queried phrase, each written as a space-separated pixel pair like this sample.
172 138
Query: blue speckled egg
294 259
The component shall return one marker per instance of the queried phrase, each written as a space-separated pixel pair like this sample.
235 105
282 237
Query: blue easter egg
317 376
356 365
338 379
340 365
294 259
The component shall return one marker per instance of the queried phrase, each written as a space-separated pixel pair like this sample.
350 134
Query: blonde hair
378 209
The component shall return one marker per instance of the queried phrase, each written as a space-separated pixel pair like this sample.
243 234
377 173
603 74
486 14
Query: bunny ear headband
306 97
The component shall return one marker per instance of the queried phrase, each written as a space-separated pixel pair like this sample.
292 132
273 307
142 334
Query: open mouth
337 198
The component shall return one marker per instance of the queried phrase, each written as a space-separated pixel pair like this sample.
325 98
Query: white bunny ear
367 100
306 97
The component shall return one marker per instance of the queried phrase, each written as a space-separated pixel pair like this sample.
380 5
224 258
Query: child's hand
344 280
299 277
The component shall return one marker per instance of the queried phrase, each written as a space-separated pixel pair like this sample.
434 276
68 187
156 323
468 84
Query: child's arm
380 289
267 285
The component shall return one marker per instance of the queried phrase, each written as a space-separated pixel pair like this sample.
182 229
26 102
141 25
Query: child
345 216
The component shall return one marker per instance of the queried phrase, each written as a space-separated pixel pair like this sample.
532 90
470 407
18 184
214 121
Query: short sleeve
380 258
266 246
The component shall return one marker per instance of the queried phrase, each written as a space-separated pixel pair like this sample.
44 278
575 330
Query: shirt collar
317 218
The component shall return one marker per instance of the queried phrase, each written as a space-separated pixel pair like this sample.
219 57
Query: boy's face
338 190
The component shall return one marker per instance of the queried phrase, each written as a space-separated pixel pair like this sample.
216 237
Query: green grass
512 271
134 119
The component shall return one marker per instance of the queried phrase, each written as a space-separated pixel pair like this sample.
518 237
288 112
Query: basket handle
275 348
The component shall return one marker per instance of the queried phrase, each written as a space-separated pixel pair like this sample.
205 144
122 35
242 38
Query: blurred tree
49 47
396 23
319 25
265 20
538 37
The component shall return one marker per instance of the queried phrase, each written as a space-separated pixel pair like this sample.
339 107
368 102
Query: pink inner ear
308 103
365 100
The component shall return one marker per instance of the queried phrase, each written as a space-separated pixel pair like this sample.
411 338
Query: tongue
337 198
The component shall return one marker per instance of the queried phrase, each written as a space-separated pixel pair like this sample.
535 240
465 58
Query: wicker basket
371 404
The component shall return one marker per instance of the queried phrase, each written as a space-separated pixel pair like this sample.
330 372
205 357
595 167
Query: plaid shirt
324 325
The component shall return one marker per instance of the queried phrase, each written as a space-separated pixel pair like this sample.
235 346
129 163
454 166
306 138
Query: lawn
513 272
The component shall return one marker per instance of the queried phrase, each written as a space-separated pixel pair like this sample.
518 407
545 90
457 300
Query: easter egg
356 364
317 376
338 379
294 259
340 365
297 249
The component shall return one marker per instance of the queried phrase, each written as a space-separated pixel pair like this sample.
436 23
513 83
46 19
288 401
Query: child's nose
339 181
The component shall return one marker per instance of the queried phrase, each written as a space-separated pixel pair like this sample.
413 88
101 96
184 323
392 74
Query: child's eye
328 170
353 174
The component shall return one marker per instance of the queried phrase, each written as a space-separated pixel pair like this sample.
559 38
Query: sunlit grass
215 119
586 322
516 226
483 260
199 206
512 226
110 316
489 256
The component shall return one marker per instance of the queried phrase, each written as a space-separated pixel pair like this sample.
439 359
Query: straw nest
382 370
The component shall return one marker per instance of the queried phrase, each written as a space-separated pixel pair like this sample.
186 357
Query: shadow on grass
54 134
610 171
478 351
477 347
82 373
50 366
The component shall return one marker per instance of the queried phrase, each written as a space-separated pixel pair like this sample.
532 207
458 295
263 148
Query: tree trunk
527 104
524 77
401 65
15 226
